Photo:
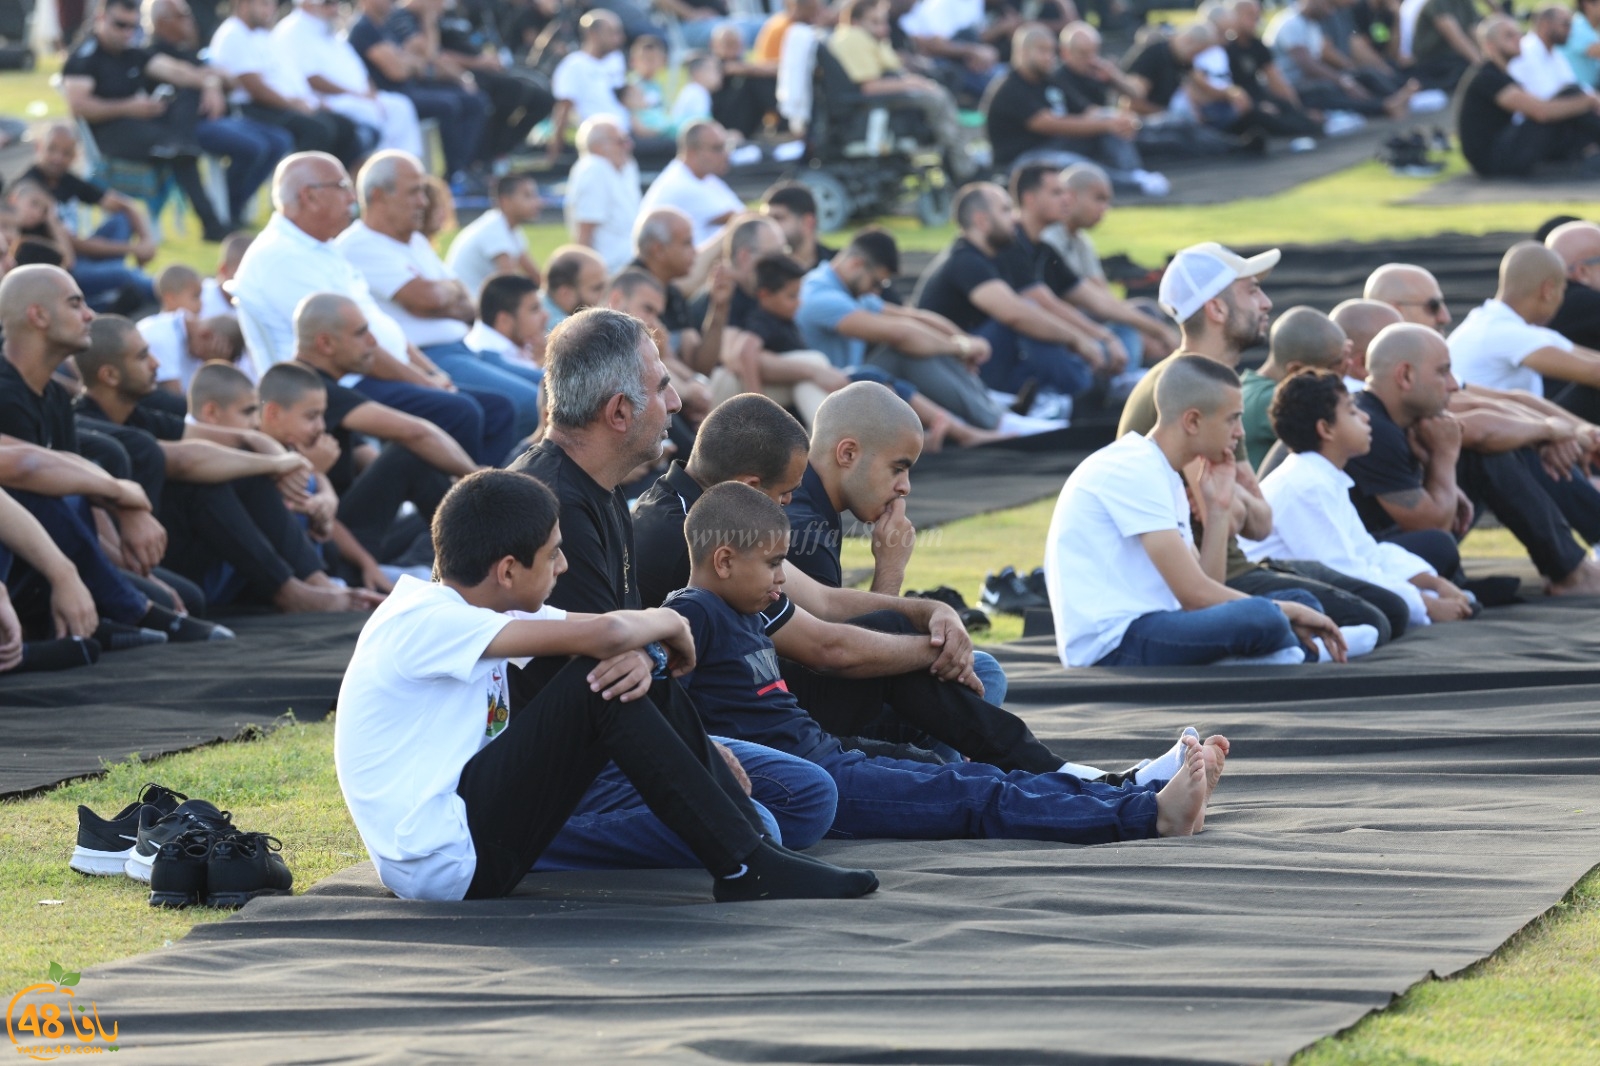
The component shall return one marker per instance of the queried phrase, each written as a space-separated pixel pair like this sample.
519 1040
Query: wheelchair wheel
834 206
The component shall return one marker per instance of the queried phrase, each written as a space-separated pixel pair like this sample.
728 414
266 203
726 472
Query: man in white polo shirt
693 183
1504 344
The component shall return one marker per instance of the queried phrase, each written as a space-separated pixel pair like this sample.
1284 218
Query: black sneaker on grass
1008 593
178 875
972 618
244 866
1034 583
192 814
104 844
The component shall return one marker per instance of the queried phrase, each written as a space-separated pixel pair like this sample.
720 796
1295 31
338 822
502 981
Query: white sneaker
1342 122
1287 657
1428 100
1152 183
1303 144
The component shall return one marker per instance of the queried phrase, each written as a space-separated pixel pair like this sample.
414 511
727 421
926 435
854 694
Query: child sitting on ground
454 796
1317 419
738 538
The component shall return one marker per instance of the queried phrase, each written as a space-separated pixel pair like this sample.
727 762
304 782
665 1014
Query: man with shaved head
1361 321
1505 343
1578 317
1302 338
1507 130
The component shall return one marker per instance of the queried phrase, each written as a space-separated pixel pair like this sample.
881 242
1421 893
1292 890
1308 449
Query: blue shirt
815 531
825 300
1585 68
736 683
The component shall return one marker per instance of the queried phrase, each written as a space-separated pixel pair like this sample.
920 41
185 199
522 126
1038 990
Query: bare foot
934 433
1215 754
970 436
1584 581
297 597
1399 105
1183 799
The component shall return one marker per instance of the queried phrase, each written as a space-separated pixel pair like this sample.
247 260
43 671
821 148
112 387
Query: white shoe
1303 144
1358 641
1287 657
1152 183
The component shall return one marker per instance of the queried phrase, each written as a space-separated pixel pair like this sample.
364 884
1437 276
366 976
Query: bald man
1505 343
1578 317
1302 338
1361 321
1507 131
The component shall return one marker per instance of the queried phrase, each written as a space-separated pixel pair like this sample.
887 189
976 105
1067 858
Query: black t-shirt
740 308
1015 101
1247 60
341 401
1025 263
596 534
363 35
658 533
162 425
1157 64
116 75
67 189
947 283
777 336
737 682
45 420
1374 22
815 531
1578 318
1389 467
1092 91
1481 118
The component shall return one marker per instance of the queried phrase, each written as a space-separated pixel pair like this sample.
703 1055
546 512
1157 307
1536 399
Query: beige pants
803 396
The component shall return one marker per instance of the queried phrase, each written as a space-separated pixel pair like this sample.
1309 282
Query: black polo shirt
1157 64
116 75
947 283
596 534
658 533
161 425
737 682
1389 467
1015 101
45 420
815 531
1026 262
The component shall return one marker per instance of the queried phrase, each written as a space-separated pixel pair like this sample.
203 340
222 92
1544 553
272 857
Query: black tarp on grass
1358 843
152 701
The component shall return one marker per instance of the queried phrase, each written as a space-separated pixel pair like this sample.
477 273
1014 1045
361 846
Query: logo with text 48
45 1021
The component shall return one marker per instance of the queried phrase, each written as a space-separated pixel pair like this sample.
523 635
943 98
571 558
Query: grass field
1534 1001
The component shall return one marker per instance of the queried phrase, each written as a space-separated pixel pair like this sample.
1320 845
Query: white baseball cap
1201 271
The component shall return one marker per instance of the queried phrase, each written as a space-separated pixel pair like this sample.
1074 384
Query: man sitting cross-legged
1126 583
1312 516
455 797
738 538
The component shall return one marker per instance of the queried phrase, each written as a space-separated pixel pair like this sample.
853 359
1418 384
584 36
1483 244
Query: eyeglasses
1433 304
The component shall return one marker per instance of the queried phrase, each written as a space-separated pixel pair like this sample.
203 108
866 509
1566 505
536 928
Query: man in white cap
1217 299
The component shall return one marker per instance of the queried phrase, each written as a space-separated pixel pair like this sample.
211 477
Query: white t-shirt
598 192
1099 576
418 701
213 301
471 254
942 18
702 199
1490 344
237 49
1313 518
693 101
1291 29
388 266
319 51
168 339
482 338
591 84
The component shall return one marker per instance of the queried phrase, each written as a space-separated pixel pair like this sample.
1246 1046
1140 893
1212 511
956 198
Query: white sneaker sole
99 863
138 866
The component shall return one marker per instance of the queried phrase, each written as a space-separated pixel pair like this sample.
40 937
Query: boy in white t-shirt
1126 583
493 243
694 99
1313 517
455 796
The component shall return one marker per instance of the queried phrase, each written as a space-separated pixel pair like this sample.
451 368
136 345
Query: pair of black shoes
973 619
218 868
1009 592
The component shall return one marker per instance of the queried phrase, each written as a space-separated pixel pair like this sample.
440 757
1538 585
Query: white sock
1084 773
1166 766
1283 657
1359 640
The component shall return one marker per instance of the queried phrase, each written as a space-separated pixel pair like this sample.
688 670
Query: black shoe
104 844
1034 583
192 814
178 876
1008 593
181 628
243 867
974 619
116 636
1496 590
61 654
1024 401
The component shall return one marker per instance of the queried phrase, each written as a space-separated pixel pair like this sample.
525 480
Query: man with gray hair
414 287
603 191
663 241
693 183
294 257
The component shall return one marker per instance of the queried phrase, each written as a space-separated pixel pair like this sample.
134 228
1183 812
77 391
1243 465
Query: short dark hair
748 435
631 279
285 383
562 270
220 383
507 184
487 516
108 346
775 271
876 247
125 5
176 278
1029 177
1301 401
791 196
733 515
502 294
971 200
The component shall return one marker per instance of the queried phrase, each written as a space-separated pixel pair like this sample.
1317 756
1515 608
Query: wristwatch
658 656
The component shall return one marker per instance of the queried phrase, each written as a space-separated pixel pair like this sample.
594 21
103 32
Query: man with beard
1506 130
1216 297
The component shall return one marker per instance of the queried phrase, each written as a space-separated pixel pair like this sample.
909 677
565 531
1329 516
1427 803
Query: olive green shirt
1258 436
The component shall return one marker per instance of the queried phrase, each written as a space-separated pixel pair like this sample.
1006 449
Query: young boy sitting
694 99
1317 419
178 289
1126 584
454 796
778 280
738 538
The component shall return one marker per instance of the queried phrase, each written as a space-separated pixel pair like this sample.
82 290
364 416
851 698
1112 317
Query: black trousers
1505 485
166 141
368 505
243 523
132 454
320 131
1522 146
520 790
1275 117
1348 601
516 106
1435 547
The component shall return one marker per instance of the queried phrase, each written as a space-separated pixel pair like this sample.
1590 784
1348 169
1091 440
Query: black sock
60 654
180 627
775 872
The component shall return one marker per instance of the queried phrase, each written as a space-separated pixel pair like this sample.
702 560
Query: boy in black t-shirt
777 299
738 538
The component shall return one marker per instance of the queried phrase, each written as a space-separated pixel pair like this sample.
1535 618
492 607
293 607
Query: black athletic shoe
192 814
104 844
244 866
972 618
116 636
1008 593
1035 584
178 876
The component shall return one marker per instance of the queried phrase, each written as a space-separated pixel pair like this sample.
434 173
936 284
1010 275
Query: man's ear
846 452
502 571
751 480
1190 421
618 413
722 560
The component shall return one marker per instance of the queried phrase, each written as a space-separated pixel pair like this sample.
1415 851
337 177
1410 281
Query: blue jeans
252 149
1252 626
481 422
531 374
920 801
471 370
461 116
1015 360
1132 342
612 829
993 676
71 527
697 33
102 280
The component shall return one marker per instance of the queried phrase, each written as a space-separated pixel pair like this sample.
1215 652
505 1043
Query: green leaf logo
69 978
56 972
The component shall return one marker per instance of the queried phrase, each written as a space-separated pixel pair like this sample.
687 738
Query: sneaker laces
248 844
152 794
